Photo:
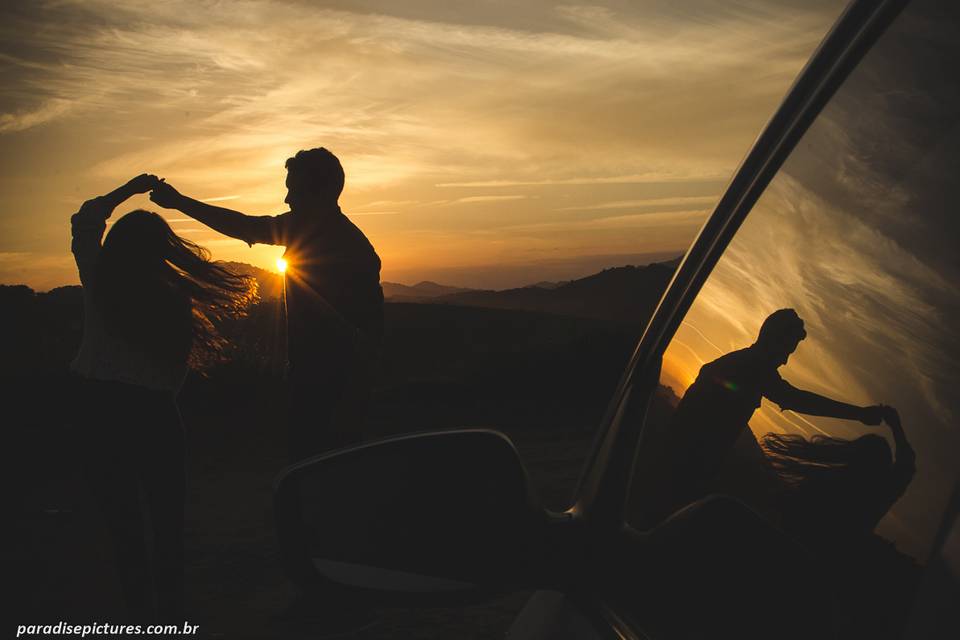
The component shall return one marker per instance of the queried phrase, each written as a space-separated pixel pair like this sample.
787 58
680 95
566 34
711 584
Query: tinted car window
851 255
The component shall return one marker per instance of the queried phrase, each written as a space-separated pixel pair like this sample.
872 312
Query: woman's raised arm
88 224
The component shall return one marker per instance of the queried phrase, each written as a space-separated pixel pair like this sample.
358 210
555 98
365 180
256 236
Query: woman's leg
164 480
110 467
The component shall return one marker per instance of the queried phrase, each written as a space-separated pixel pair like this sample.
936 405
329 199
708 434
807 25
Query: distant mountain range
419 292
429 291
628 293
269 282
548 285
620 294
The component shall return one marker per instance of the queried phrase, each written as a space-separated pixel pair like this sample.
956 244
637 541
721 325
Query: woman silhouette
838 490
150 301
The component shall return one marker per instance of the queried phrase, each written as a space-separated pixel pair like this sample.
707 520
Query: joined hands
143 183
102 206
872 415
880 413
165 195
890 416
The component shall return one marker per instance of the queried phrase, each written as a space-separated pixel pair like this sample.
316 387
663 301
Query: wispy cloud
384 203
633 101
647 178
7 257
488 198
654 221
46 112
648 202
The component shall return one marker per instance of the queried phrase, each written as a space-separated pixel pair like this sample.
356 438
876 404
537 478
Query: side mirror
440 515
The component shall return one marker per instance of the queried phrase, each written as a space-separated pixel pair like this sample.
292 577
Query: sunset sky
488 144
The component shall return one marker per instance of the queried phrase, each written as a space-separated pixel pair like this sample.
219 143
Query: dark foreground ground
235 587
544 380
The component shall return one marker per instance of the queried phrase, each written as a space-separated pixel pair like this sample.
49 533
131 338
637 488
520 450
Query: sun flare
281 265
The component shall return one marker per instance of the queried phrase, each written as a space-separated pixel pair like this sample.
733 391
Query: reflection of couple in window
152 302
851 482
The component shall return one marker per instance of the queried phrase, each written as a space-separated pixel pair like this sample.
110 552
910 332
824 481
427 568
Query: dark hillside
621 294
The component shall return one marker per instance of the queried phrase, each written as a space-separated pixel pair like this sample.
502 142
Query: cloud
689 219
488 198
46 112
385 203
649 202
648 178
633 102
7 257
300 72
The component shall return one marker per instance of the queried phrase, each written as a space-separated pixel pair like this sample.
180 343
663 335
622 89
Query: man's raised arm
813 404
231 223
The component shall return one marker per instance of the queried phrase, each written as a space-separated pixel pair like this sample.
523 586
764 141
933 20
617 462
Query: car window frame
601 493
603 489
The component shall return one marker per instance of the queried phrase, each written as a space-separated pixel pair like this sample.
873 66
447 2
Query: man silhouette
333 297
716 409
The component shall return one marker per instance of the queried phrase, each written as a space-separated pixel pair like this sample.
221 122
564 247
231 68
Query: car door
843 213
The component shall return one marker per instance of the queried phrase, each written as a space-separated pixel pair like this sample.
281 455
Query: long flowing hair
801 463
831 487
162 294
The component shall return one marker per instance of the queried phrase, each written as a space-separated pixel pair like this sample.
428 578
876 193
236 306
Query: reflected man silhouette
333 295
715 410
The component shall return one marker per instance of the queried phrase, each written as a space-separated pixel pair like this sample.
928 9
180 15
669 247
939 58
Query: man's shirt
332 279
716 408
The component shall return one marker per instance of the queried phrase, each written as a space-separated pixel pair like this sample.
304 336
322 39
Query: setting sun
281 265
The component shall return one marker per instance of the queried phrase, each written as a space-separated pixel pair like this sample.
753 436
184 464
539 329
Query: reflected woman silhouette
835 493
150 302
835 489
